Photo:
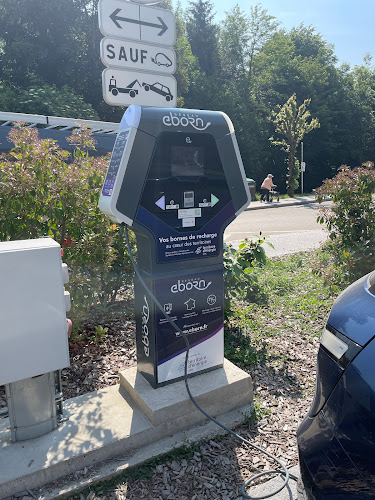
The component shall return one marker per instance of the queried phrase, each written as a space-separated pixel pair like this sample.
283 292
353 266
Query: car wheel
114 91
168 97
147 88
132 93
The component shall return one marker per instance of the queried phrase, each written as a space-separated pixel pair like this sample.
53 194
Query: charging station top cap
153 121
154 145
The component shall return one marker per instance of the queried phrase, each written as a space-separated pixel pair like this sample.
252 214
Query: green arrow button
214 200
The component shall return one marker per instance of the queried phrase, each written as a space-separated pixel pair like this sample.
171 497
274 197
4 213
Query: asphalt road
290 229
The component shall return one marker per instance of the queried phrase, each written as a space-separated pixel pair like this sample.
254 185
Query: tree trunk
291 166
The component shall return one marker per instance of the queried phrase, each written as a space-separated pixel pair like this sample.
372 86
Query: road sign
137 22
122 88
127 54
303 166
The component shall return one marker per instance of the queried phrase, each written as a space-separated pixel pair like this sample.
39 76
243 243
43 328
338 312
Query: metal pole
301 168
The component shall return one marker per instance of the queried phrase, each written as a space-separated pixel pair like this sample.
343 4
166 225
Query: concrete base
112 422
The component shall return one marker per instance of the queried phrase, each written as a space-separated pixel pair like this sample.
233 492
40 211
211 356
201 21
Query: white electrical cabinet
33 305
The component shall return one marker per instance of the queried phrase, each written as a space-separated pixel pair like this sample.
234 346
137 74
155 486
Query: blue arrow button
161 202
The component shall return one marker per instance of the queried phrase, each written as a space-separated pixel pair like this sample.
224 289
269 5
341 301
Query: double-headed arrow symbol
116 18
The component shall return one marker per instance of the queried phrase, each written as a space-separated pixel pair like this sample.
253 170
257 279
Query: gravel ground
283 388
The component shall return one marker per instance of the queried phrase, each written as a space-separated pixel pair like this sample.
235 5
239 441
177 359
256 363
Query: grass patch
298 300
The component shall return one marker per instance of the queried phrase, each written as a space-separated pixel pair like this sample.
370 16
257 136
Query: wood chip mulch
283 390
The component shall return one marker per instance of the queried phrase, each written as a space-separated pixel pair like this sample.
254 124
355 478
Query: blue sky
347 24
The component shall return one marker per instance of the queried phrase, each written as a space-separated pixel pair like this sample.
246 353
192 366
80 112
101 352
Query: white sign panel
122 88
137 56
137 22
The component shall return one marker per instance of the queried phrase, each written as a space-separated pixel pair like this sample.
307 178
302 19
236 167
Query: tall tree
234 42
203 35
262 27
292 123
187 64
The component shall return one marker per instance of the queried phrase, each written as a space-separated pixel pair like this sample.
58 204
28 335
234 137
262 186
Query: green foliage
292 123
100 334
44 191
46 100
240 272
244 65
351 219
203 35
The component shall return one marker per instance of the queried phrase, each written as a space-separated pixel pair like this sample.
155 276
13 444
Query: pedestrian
266 187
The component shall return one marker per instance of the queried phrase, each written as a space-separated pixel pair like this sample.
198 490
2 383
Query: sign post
138 55
303 167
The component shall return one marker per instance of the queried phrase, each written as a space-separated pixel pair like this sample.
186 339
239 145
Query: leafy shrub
46 100
351 219
45 191
240 274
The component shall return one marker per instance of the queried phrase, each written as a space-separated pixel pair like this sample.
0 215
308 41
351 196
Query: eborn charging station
176 177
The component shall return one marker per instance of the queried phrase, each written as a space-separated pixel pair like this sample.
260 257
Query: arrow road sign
117 53
122 88
116 18
137 22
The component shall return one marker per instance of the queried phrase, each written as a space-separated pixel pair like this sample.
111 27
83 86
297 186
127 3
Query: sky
347 24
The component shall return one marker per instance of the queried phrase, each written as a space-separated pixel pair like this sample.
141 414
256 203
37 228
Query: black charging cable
283 471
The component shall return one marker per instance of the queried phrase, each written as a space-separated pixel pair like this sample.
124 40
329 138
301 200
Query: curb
257 205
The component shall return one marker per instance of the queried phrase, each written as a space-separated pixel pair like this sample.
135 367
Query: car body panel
326 469
328 373
336 441
350 410
353 313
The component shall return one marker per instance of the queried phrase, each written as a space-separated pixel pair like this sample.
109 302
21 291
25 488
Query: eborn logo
184 120
181 286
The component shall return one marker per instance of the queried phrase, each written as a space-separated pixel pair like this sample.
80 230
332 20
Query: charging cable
283 471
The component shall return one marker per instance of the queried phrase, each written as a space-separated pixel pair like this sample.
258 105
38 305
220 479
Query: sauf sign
138 55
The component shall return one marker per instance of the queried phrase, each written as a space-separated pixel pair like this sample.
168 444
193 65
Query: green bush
45 191
350 220
240 273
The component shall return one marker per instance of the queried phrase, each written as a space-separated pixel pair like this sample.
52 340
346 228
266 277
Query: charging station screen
187 161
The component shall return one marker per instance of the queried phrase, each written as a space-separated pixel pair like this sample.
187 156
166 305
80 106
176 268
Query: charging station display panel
186 200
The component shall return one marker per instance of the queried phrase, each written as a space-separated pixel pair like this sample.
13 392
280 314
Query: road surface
290 229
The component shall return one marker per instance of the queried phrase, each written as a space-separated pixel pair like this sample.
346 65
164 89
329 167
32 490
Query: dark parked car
336 441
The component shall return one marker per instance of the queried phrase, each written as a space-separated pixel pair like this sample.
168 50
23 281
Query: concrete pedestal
132 425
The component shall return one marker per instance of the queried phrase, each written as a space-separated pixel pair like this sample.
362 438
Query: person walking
266 187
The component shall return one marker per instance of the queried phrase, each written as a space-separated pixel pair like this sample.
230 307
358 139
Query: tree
46 100
292 123
203 35
262 27
234 40
187 65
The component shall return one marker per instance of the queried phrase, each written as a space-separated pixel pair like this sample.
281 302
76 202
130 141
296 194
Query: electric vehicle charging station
176 177
34 334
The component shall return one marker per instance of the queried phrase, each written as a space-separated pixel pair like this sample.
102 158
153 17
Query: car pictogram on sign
161 60
158 88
